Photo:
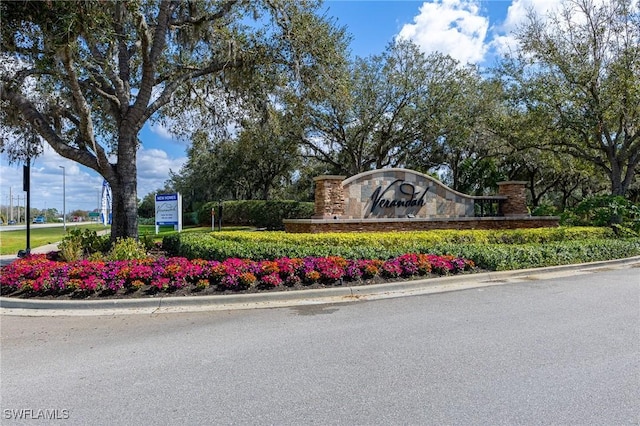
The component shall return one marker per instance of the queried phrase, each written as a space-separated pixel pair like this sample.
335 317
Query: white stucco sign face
401 193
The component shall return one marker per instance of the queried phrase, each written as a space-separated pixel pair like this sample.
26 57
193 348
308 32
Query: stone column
329 197
516 202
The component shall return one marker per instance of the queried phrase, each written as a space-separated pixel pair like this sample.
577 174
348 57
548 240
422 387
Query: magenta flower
38 274
270 281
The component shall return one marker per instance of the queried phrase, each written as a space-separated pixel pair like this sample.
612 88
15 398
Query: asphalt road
42 225
561 351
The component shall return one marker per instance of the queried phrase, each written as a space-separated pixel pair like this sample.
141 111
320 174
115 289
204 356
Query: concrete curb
32 307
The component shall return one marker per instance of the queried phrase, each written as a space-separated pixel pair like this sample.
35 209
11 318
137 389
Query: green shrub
508 249
545 210
190 218
79 243
70 248
146 221
146 240
127 249
257 213
519 256
171 244
394 241
609 210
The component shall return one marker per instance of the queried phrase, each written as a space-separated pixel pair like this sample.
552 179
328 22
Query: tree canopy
267 97
578 73
86 76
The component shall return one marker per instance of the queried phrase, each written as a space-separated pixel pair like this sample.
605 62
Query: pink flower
270 281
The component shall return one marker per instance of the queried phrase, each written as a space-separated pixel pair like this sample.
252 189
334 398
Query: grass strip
12 241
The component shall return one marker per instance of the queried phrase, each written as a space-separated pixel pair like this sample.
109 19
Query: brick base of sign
418 224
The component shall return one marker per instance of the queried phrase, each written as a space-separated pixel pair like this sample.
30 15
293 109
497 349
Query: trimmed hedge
258 213
500 257
495 250
514 236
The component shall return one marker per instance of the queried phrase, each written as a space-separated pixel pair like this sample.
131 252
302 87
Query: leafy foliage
501 257
80 243
576 84
127 249
258 213
87 76
605 211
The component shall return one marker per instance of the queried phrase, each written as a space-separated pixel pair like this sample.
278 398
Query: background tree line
563 114
275 99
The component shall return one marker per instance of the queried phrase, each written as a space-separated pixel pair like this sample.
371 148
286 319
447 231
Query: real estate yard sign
169 210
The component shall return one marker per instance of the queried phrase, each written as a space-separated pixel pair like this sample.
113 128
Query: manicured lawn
150 230
12 241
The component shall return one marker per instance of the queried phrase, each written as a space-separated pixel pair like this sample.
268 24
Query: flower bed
38 275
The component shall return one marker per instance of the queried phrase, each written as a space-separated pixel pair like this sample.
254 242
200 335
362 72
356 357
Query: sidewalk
6 259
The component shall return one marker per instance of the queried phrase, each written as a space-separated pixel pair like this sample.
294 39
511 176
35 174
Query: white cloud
453 27
81 185
153 169
49 181
161 131
517 14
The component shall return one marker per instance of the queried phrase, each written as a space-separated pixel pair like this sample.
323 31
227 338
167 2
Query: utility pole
64 198
10 203
18 218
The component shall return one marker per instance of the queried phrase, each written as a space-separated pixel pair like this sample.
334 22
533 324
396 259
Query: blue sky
475 31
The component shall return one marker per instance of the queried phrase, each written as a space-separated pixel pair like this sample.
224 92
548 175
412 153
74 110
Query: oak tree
86 76
579 72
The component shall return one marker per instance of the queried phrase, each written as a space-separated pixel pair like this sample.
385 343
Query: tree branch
86 123
45 130
172 85
223 11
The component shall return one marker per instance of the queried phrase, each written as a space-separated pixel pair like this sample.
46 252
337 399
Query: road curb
32 307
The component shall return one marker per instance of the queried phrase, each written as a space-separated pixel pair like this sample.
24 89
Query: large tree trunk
124 187
266 185
621 183
621 180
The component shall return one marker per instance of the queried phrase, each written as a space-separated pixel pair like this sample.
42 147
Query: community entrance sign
401 193
402 199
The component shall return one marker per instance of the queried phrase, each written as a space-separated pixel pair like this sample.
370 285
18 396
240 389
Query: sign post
26 186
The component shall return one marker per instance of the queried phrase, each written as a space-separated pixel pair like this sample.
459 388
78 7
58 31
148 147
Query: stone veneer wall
436 199
345 206
516 202
329 197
